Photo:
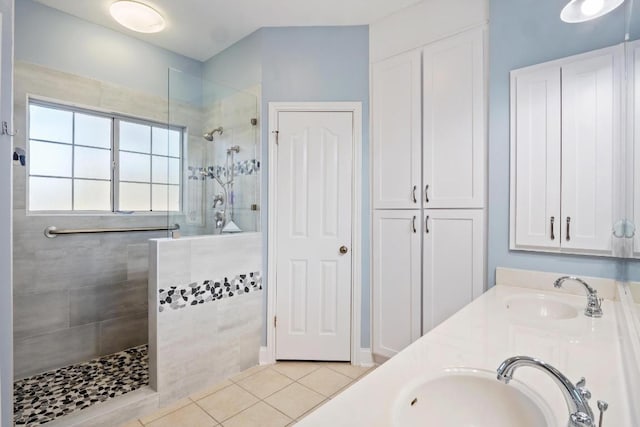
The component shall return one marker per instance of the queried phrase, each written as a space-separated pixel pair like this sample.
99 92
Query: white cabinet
535 100
428 160
453 267
396 132
590 128
566 133
450 75
453 122
396 280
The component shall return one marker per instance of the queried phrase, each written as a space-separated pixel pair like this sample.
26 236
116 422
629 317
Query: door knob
343 250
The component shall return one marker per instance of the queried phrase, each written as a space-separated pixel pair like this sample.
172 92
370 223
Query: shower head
209 135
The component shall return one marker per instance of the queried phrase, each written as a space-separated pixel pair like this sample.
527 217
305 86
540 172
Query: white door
453 268
454 123
314 203
396 132
536 154
396 280
590 128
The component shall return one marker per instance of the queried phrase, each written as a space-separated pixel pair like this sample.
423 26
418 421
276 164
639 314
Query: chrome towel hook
5 130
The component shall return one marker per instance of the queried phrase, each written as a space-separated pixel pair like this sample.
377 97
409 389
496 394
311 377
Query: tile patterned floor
263 396
44 397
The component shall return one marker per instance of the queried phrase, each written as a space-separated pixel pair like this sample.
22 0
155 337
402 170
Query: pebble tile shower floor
44 397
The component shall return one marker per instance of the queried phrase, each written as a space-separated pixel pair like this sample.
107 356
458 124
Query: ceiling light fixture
137 16
585 10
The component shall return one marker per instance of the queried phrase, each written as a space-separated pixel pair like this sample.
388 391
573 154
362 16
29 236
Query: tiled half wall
205 299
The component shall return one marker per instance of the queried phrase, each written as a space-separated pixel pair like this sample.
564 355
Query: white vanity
448 377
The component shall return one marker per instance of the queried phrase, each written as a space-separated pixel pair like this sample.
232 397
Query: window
82 160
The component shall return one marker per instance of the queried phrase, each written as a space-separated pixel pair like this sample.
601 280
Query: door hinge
275 321
277 134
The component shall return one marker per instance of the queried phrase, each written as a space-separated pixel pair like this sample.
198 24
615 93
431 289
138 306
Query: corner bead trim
177 297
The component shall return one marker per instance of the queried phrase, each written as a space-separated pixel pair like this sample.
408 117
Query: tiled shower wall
80 296
233 110
206 293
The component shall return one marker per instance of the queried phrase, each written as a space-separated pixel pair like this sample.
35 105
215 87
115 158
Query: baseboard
365 358
264 358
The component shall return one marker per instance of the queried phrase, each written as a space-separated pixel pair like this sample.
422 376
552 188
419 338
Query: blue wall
305 64
526 32
239 66
57 40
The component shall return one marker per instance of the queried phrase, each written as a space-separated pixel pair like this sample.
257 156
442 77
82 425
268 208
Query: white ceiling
200 29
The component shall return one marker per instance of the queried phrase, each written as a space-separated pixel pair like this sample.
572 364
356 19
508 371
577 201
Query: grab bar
52 231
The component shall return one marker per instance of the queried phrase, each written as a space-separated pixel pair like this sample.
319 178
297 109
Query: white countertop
482 335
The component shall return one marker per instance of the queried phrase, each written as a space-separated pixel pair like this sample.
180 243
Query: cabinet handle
568 228
415 187
413 226
426 225
426 193
553 236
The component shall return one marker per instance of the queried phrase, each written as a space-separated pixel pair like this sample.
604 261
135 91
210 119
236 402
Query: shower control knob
343 250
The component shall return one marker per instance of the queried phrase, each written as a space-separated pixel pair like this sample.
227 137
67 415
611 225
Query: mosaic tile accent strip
244 167
45 397
177 297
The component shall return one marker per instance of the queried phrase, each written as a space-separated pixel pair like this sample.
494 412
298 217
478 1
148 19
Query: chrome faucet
594 304
576 396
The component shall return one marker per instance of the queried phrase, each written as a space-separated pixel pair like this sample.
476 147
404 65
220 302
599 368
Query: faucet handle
580 419
581 386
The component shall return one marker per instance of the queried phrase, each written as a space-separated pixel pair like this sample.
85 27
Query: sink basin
470 398
540 307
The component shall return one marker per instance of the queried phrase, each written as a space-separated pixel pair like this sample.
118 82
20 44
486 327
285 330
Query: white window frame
116 118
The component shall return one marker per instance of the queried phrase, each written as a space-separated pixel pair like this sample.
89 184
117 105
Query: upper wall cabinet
454 123
429 105
396 130
566 140
535 152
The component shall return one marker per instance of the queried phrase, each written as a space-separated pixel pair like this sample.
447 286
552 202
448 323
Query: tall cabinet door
536 154
454 124
396 132
396 280
453 267
590 129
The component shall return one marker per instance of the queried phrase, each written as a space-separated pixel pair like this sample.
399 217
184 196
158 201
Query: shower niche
220 162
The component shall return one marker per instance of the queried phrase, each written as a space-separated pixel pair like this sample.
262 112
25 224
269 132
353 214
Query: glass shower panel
135 137
220 174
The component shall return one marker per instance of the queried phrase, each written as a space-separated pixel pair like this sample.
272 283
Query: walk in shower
137 167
